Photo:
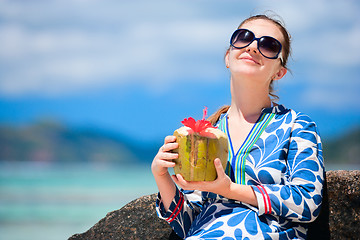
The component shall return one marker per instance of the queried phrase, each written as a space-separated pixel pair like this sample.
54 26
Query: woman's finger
174 178
167 164
169 146
169 139
168 155
219 168
179 180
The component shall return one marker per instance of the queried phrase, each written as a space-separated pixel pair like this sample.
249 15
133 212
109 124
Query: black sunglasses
269 47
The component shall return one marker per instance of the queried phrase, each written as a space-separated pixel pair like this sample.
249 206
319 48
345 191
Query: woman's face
249 62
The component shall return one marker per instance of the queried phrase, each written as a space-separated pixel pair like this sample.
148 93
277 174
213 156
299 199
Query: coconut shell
198 152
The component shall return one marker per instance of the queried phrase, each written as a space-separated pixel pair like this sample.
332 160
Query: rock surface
340 216
344 204
135 221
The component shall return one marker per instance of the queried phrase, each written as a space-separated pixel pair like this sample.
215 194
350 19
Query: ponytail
215 117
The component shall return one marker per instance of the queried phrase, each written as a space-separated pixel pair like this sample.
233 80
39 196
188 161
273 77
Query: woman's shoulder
289 113
297 121
288 118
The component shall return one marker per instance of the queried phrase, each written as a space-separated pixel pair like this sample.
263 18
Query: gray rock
344 204
339 219
135 221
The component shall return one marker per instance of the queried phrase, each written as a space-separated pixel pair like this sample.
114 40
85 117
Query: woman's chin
246 71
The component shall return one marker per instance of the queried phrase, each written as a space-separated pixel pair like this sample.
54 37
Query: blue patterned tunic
281 159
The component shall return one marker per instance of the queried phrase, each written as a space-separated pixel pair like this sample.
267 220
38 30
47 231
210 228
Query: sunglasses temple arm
281 57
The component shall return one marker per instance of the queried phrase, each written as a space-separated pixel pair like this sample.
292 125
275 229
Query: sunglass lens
241 38
269 47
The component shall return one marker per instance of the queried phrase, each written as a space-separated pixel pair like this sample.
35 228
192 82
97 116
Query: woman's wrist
242 193
161 175
233 190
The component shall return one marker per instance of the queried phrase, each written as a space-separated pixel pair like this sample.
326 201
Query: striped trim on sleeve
177 209
266 199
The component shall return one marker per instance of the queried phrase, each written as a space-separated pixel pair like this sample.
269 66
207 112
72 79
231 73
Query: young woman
272 186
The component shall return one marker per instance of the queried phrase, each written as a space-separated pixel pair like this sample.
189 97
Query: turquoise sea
52 202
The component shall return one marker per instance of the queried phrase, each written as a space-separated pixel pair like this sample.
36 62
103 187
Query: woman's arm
300 197
172 204
159 168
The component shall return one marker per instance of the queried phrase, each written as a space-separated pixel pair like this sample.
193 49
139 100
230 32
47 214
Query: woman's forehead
263 27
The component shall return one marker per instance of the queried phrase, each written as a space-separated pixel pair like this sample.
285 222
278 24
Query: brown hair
215 117
286 52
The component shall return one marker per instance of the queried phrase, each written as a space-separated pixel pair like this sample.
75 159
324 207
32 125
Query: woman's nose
252 47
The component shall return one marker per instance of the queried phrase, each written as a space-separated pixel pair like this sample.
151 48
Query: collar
277 109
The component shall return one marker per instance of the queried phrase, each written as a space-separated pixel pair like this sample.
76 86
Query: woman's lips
249 59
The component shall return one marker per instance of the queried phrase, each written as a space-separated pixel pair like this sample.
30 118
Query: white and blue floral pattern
283 164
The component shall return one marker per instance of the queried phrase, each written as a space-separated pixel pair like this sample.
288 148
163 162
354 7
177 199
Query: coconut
199 145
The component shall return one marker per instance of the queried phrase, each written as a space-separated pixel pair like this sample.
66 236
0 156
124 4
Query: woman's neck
248 100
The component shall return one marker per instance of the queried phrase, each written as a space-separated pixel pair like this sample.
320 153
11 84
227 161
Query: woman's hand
163 159
221 185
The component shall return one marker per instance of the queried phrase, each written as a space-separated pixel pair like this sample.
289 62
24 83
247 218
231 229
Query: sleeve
182 211
300 197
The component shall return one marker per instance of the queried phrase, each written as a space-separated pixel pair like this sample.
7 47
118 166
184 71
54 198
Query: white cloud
56 47
334 98
324 31
74 57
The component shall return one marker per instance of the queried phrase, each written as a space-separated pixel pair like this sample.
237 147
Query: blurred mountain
51 141
344 149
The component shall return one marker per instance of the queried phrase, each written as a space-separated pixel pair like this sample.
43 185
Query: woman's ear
227 58
280 74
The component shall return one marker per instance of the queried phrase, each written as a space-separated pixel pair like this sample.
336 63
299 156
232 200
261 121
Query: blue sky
139 67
